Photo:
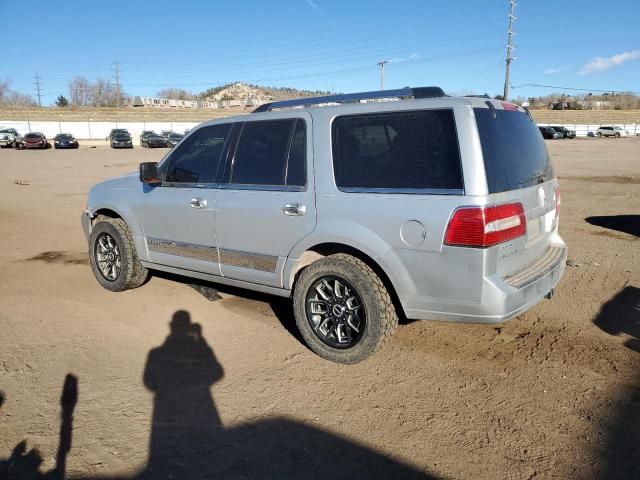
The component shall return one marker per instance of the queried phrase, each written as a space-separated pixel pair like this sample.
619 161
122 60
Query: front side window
197 159
270 153
416 150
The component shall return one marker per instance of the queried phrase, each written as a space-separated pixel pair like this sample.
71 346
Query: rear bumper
502 298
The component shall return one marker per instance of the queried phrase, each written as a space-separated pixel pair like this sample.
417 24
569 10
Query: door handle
198 203
293 209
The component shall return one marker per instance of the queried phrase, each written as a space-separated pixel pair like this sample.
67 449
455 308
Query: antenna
510 48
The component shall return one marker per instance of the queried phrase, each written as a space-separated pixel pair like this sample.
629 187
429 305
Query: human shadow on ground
621 315
621 451
188 440
25 465
622 223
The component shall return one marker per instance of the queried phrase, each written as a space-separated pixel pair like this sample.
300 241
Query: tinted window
406 150
261 155
514 152
196 160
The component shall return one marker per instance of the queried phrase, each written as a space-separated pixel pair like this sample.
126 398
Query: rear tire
618 135
342 309
113 256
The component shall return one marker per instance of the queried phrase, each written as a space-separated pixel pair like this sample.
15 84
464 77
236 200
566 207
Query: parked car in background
566 133
550 133
121 140
611 131
153 140
145 133
166 133
359 212
173 139
65 140
35 140
115 131
9 137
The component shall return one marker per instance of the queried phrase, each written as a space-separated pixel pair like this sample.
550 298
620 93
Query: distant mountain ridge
243 91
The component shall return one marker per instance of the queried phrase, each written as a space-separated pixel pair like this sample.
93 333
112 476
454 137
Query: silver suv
361 208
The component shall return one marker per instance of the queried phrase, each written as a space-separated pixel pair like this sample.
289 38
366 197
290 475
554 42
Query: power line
37 79
512 9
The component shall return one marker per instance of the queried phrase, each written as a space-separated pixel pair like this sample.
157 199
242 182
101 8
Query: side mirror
149 173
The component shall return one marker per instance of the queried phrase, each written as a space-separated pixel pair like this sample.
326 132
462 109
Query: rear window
402 151
514 152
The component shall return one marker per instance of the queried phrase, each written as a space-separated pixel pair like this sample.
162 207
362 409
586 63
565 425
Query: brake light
557 195
486 226
510 106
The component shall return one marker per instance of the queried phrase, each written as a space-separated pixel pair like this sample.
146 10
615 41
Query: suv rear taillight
557 195
486 226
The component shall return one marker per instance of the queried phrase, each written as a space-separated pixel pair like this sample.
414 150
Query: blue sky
324 44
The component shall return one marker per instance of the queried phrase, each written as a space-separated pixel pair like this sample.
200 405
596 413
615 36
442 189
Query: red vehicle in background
35 140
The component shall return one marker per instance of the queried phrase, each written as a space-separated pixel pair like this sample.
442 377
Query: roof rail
407 92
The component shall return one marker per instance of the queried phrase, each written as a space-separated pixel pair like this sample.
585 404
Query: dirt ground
95 384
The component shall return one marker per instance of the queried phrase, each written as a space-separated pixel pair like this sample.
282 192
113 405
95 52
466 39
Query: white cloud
413 56
315 6
598 63
551 71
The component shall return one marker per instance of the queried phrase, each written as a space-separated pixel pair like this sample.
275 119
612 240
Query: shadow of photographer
187 439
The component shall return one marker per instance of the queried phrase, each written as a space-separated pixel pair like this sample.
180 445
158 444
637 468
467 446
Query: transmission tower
116 73
37 79
510 48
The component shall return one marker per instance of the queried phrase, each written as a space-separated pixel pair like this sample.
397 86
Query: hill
242 91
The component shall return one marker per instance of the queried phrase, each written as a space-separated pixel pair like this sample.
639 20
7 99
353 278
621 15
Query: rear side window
271 153
415 150
514 152
197 159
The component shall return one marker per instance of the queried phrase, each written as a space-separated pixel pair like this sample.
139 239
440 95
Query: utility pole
382 63
512 9
37 79
116 72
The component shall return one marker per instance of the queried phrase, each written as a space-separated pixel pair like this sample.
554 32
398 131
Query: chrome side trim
409 191
538 268
281 292
180 249
255 261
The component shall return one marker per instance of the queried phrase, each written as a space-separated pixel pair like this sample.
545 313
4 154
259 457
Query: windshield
32 135
63 136
514 152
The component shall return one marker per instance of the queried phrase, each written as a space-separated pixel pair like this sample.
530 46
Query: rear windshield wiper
538 175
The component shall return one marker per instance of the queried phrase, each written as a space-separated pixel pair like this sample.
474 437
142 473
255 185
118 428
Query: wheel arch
110 211
320 250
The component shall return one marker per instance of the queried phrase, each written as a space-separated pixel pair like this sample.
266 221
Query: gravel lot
553 393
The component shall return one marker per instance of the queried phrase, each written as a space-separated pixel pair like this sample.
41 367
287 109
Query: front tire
342 309
113 256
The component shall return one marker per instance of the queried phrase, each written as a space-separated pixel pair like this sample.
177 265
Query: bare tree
19 99
176 94
80 91
4 90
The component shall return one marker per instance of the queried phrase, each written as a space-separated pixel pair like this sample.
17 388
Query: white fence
93 130
586 130
100 130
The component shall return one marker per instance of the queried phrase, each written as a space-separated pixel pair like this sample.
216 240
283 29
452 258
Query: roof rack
402 93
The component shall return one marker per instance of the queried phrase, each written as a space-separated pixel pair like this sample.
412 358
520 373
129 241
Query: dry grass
584 117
